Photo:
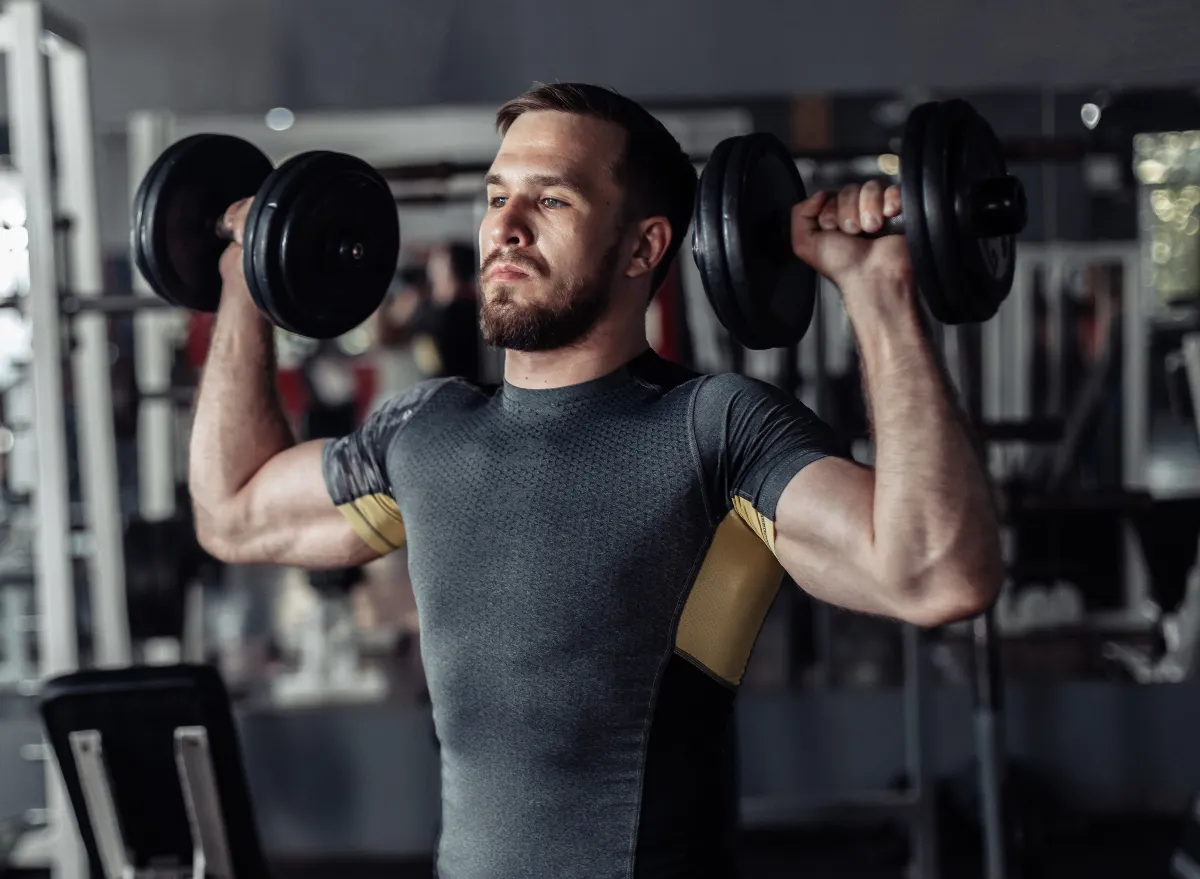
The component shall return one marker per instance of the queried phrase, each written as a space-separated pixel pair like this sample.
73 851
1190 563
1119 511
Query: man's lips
507 273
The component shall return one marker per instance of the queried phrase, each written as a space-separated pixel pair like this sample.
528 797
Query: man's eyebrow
543 180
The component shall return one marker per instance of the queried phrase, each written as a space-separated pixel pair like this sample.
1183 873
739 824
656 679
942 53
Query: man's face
550 241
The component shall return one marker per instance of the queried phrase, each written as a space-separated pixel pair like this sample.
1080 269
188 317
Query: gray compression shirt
592 565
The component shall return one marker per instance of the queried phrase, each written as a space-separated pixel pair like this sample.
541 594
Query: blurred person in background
440 318
396 363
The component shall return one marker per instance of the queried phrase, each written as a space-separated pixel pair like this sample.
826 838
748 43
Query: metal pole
989 743
153 344
1136 328
71 105
923 824
57 644
31 153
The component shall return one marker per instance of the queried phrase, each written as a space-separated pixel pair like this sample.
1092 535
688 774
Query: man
595 543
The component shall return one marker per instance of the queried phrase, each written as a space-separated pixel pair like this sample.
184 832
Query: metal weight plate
941 136
708 248
976 273
256 255
776 291
989 262
176 209
325 245
912 208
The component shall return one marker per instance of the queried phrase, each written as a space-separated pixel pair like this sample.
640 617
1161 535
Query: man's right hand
234 221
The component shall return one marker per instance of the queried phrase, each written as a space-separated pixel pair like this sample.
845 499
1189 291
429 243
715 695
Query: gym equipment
162 558
325 651
960 214
320 245
151 761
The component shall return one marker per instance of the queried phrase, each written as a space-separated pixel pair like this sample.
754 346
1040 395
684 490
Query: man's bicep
285 515
824 536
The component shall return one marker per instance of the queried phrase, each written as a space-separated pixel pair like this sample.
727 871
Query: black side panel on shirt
690 791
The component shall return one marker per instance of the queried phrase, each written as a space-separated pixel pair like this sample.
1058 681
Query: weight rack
48 89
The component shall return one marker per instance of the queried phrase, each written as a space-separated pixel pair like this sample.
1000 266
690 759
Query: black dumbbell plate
322 245
176 209
975 272
775 291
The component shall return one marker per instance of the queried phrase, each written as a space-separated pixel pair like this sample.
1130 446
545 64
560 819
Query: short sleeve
355 468
752 439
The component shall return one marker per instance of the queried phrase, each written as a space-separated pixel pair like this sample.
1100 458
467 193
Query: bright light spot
12 212
1151 171
1090 114
280 119
889 163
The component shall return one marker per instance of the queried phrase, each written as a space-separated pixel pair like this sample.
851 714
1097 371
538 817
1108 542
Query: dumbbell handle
891 226
993 207
223 231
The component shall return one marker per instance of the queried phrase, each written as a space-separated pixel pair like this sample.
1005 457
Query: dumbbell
960 214
321 240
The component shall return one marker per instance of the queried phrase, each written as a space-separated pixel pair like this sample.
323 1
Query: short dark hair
658 176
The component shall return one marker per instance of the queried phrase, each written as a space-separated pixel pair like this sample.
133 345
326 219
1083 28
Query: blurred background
867 749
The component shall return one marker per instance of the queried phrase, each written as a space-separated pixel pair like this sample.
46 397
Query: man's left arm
916 537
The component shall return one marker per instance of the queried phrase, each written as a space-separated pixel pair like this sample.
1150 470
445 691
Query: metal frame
1007 351
198 784
70 103
40 94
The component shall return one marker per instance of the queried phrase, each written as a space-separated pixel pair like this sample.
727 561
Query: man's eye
497 201
553 202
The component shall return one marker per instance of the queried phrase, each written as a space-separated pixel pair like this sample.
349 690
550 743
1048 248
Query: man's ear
653 239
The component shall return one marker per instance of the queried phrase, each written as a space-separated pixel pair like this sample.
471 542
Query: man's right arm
258 496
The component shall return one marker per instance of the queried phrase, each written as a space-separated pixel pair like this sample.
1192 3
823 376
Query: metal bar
149 135
57 645
1017 361
1135 428
202 798
84 306
1190 351
71 107
58 25
923 827
31 154
1029 149
989 746
88 752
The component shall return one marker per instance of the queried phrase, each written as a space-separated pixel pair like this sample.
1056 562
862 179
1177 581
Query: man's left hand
826 231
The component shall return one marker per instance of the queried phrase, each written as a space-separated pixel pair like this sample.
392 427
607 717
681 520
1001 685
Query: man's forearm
935 522
239 423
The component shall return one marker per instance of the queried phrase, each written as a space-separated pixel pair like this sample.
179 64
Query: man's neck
604 350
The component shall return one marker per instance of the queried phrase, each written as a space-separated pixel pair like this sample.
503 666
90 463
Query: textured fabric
554 539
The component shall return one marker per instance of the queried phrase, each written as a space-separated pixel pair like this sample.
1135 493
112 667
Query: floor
1126 849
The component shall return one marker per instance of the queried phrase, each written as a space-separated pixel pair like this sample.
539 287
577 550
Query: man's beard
573 308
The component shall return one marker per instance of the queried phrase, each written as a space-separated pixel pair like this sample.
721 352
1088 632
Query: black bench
151 761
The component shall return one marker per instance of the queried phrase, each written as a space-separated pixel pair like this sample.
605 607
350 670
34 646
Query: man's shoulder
447 391
725 388
427 399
